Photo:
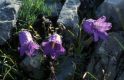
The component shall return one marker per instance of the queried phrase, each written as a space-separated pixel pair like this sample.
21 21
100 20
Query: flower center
53 44
97 25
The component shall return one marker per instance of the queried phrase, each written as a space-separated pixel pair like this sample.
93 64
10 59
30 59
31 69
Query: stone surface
34 61
86 9
8 13
68 15
33 66
55 6
114 10
66 69
107 62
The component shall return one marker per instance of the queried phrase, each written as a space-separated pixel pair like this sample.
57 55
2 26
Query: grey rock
34 61
66 69
8 11
68 15
32 65
55 7
5 28
86 9
107 62
114 10
5 12
121 77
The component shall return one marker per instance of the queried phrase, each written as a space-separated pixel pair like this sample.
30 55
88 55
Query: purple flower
27 45
53 46
97 28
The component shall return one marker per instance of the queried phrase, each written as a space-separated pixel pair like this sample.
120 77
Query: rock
114 10
107 62
68 15
86 9
34 61
55 7
66 70
8 14
70 67
33 66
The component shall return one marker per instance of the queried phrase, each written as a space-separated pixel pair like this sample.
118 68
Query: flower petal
22 50
96 36
104 26
101 19
55 38
88 26
25 37
103 36
32 47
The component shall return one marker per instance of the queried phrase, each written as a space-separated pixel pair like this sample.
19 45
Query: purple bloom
28 46
97 28
53 47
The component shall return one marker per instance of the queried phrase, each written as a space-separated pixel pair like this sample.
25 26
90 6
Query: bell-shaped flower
53 46
27 45
97 28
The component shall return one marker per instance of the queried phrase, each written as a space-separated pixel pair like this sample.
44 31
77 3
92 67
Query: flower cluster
97 28
52 47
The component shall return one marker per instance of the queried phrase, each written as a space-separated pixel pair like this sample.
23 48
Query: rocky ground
103 59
